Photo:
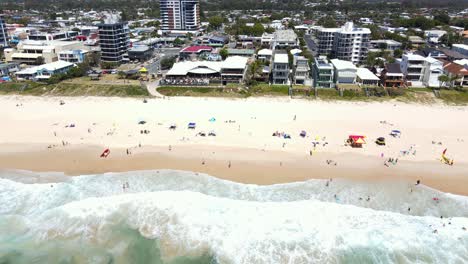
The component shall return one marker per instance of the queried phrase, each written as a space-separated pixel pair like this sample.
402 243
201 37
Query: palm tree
443 79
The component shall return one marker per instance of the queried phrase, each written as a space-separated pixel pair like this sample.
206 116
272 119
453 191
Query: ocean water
182 217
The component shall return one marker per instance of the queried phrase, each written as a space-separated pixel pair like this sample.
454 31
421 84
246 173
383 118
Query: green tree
178 42
168 62
398 53
443 80
215 22
224 53
258 29
327 22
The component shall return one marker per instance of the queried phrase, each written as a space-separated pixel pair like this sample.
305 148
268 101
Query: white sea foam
192 215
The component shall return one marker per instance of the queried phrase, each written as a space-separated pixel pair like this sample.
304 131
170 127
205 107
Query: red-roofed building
194 51
452 69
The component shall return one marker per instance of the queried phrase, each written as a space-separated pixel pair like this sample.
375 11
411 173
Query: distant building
280 69
284 38
416 41
386 44
73 56
180 15
241 52
114 40
323 73
433 36
345 43
3 33
265 55
45 71
8 68
44 36
33 52
140 53
194 51
460 48
345 71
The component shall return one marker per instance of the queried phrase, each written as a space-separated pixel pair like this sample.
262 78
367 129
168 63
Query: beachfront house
280 69
45 71
412 66
455 70
433 68
366 78
265 55
345 71
284 38
301 71
392 76
323 73
194 52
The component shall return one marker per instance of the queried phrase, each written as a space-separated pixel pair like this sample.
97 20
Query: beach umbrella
212 119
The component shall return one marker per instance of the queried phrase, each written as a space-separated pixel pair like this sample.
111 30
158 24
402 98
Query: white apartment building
434 35
284 38
433 68
180 15
3 33
280 69
73 56
345 43
301 72
30 51
412 66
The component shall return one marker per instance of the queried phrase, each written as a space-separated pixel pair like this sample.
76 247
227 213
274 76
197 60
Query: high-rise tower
180 15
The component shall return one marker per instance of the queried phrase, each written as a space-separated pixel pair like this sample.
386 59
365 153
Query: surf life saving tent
395 133
143 70
356 141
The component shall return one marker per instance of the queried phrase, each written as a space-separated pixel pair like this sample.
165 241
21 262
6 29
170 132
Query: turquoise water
179 217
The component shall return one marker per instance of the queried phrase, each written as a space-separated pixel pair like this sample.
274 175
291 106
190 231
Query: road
153 65
310 44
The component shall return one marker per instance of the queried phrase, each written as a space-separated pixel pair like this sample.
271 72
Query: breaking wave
183 217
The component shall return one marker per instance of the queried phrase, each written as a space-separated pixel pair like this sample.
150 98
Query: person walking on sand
170 147
229 165
294 117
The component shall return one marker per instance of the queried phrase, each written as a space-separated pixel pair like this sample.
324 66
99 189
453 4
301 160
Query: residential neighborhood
184 46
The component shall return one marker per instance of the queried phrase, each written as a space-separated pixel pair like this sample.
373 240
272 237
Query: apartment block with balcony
180 15
3 33
114 40
412 66
323 73
345 43
32 52
302 71
73 56
280 69
433 68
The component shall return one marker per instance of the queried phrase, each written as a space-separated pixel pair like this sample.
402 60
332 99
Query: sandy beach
39 134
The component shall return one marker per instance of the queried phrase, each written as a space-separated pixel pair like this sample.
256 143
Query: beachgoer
170 147
368 198
55 133
127 152
418 182
409 209
203 162
229 165
294 117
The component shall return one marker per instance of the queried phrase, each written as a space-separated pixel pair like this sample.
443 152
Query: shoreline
248 166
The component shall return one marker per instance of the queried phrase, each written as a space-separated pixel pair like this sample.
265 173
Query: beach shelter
192 125
212 119
395 133
143 70
356 141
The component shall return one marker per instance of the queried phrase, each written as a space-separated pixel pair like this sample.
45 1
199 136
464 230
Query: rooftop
281 58
285 35
196 49
366 74
343 65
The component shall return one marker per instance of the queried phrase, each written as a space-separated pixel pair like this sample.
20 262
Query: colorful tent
143 70
356 140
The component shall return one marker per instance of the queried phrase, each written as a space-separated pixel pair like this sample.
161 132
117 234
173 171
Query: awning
143 70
